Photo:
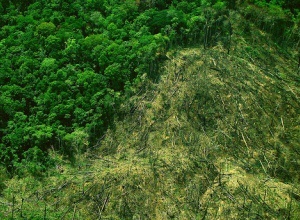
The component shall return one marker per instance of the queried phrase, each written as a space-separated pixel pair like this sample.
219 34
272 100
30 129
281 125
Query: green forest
134 109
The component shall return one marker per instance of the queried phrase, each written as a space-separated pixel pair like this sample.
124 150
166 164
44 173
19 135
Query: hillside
214 136
125 109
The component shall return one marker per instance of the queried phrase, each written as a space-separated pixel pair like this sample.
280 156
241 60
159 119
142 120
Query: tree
45 28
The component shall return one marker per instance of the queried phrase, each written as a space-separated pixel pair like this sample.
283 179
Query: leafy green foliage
45 28
277 17
65 65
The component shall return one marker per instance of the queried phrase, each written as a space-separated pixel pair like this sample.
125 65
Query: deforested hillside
113 109
214 136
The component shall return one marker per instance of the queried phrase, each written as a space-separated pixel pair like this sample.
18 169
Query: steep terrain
214 136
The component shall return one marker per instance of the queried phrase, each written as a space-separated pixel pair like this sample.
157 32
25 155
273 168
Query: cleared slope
216 137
